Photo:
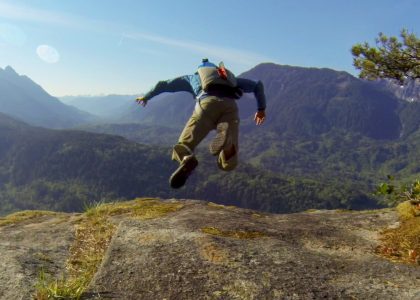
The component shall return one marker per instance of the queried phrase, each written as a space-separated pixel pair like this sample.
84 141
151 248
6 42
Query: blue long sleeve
191 84
256 87
179 84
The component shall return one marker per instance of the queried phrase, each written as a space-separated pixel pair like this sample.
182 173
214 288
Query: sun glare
48 54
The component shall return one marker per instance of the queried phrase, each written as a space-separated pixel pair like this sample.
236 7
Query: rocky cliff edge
187 249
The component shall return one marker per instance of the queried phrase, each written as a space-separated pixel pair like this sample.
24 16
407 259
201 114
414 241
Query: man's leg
228 156
196 129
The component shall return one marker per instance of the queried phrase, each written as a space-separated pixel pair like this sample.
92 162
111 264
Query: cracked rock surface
29 247
208 251
322 254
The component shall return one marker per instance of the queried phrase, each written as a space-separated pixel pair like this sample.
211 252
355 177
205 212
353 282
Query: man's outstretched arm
256 87
179 84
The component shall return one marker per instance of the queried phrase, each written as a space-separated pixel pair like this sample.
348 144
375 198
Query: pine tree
391 58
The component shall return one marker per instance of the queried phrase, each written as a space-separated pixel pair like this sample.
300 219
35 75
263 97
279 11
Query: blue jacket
192 84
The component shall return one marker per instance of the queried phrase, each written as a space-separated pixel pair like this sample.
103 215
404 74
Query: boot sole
180 176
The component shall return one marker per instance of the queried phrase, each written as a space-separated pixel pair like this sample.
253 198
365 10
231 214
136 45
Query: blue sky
91 47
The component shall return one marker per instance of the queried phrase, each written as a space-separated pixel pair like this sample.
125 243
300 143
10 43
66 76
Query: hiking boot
219 141
180 176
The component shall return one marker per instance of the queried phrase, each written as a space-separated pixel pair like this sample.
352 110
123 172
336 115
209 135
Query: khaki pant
207 114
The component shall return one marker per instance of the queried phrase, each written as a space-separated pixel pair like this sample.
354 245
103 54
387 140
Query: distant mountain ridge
24 99
301 101
103 106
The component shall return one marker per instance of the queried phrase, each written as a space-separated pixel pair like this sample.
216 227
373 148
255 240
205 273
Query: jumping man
216 90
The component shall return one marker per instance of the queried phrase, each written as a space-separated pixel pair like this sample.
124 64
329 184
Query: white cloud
26 13
241 57
31 14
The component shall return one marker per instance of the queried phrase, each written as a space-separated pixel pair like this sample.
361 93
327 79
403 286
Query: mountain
300 101
310 101
329 140
65 170
103 106
325 127
333 128
303 101
189 249
317 119
409 92
24 99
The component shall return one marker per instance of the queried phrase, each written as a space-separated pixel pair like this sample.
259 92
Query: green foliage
72 170
66 170
342 168
391 58
395 194
48 287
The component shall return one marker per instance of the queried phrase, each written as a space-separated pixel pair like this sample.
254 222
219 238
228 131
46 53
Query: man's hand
259 117
142 101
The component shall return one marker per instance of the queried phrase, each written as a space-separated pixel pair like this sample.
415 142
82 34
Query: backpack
214 77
